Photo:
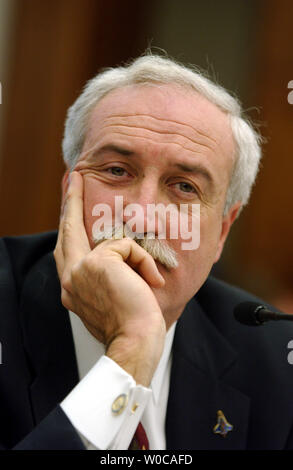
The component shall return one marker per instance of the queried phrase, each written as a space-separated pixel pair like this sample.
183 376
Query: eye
185 187
116 171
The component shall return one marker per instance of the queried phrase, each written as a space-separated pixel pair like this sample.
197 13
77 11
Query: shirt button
119 404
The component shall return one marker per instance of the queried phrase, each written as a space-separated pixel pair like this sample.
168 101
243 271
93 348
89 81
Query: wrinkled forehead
172 105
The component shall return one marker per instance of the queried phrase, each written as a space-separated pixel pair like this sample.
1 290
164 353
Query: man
144 349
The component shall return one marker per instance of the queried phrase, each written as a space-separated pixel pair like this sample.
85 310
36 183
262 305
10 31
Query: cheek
210 231
204 237
195 265
94 194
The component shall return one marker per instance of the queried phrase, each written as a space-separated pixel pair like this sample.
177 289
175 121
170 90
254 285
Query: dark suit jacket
218 364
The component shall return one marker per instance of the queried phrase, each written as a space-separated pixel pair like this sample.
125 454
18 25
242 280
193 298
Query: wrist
139 355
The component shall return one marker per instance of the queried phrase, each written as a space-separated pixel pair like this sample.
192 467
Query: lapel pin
222 427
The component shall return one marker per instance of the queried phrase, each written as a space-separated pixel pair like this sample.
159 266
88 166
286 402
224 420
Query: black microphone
254 314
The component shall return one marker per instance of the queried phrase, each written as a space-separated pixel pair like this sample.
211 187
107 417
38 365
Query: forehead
167 102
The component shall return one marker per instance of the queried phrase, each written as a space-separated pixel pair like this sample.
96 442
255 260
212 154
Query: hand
114 301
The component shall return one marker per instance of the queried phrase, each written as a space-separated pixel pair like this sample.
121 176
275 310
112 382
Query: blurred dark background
49 48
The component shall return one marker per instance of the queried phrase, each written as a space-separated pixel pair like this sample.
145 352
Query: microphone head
246 313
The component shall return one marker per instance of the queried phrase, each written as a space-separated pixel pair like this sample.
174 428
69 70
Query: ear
227 222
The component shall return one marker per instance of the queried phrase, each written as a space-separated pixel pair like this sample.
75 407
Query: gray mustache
158 249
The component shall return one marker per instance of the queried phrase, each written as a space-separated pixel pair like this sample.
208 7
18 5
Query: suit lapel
201 359
47 338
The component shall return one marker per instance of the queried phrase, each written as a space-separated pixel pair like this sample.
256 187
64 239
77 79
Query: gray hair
156 69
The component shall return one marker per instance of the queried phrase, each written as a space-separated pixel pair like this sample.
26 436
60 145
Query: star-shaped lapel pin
222 427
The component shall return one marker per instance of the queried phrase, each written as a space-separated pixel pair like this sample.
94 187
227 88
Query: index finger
72 236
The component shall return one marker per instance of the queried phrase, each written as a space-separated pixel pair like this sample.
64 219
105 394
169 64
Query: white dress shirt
89 405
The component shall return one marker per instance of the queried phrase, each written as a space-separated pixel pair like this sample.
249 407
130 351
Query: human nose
140 206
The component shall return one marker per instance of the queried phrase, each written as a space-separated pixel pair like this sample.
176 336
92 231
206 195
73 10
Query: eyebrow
112 148
195 169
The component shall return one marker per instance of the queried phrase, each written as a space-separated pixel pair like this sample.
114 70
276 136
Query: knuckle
88 268
76 273
91 264
97 268
56 252
66 283
127 241
65 299
67 227
124 244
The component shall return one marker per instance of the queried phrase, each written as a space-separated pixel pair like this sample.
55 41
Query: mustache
158 249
